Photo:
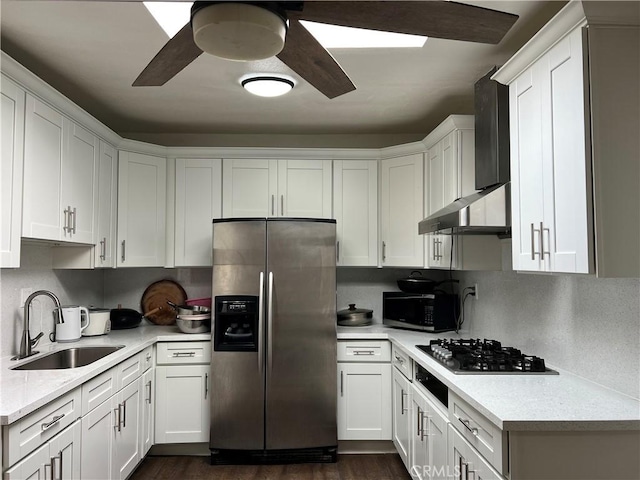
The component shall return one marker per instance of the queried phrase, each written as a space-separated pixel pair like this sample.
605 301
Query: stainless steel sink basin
68 358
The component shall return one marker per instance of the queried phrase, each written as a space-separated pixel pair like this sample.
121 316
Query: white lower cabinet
148 411
182 392
428 438
401 415
465 460
58 459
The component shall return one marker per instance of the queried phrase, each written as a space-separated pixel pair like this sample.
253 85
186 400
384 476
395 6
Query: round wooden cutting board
156 295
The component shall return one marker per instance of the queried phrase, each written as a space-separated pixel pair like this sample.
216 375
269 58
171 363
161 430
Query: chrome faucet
27 343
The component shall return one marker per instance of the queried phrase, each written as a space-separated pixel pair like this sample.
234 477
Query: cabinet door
466 462
128 438
64 450
401 415
304 188
435 429
402 208
198 201
35 466
107 207
148 408
250 188
418 437
440 251
364 401
142 183
99 431
182 405
43 215
565 228
11 170
78 180
355 205
525 124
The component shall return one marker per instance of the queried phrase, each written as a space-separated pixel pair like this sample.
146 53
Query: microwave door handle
261 325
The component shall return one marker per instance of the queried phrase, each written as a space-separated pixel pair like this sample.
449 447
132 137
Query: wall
72 287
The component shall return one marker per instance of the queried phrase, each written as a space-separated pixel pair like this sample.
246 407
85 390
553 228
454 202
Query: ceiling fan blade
450 20
177 53
304 55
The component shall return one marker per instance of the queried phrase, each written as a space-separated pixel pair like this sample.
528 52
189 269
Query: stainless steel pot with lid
355 317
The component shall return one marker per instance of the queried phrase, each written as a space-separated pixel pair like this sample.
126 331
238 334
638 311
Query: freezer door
301 334
237 389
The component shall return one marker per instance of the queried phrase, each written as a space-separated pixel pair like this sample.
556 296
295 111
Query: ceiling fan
250 30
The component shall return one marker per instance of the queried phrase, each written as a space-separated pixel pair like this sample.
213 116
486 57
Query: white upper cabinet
60 176
142 184
355 206
402 207
105 251
11 166
574 147
198 202
276 188
304 188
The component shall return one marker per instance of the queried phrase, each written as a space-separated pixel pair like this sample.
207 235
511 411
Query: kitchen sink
68 358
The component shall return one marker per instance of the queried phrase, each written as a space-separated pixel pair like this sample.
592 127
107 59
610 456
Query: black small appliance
431 312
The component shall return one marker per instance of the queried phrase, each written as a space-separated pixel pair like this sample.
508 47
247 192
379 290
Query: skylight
334 36
171 16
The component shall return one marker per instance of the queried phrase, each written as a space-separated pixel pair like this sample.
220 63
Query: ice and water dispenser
236 324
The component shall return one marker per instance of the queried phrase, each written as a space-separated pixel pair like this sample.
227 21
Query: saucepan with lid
355 317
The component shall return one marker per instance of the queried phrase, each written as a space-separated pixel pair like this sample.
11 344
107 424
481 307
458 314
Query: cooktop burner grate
483 356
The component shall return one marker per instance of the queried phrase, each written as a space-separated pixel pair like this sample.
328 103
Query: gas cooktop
467 356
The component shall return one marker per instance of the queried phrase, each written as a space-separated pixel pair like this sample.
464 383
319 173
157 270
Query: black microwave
431 312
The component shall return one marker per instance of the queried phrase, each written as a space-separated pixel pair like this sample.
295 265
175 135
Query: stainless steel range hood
487 212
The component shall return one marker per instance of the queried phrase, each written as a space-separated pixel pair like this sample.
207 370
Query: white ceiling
92 51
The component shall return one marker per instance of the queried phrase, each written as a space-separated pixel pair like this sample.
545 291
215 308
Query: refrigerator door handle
270 325
261 324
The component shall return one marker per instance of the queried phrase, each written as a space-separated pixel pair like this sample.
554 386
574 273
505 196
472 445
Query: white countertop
519 402
23 391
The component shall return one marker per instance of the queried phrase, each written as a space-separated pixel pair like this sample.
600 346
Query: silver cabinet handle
282 205
403 409
149 385
51 468
419 426
148 357
466 424
67 223
363 352
116 411
542 250
74 215
273 199
338 251
123 250
533 243
341 383
425 431
270 325
460 463
433 249
60 466
184 354
384 251
124 414
48 425
206 385
261 323
103 249
400 360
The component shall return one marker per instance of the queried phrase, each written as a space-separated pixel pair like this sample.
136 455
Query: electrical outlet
24 294
475 290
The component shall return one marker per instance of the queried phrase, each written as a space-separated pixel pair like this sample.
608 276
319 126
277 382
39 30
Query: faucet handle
34 341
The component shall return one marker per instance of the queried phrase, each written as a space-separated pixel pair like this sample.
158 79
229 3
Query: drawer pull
400 360
363 352
466 422
48 425
184 354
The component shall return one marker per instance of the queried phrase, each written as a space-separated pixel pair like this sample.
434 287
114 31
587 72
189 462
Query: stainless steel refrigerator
273 365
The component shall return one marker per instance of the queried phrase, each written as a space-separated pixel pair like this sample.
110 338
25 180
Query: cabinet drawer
129 370
180 353
147 358
35 429
364 351
98 389
477 430
402 362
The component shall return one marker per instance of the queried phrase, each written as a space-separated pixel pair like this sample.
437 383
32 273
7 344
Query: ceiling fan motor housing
238 30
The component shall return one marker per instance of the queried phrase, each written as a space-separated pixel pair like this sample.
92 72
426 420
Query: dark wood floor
348 467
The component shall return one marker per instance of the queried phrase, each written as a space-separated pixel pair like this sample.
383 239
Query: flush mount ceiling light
265 86
238 31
